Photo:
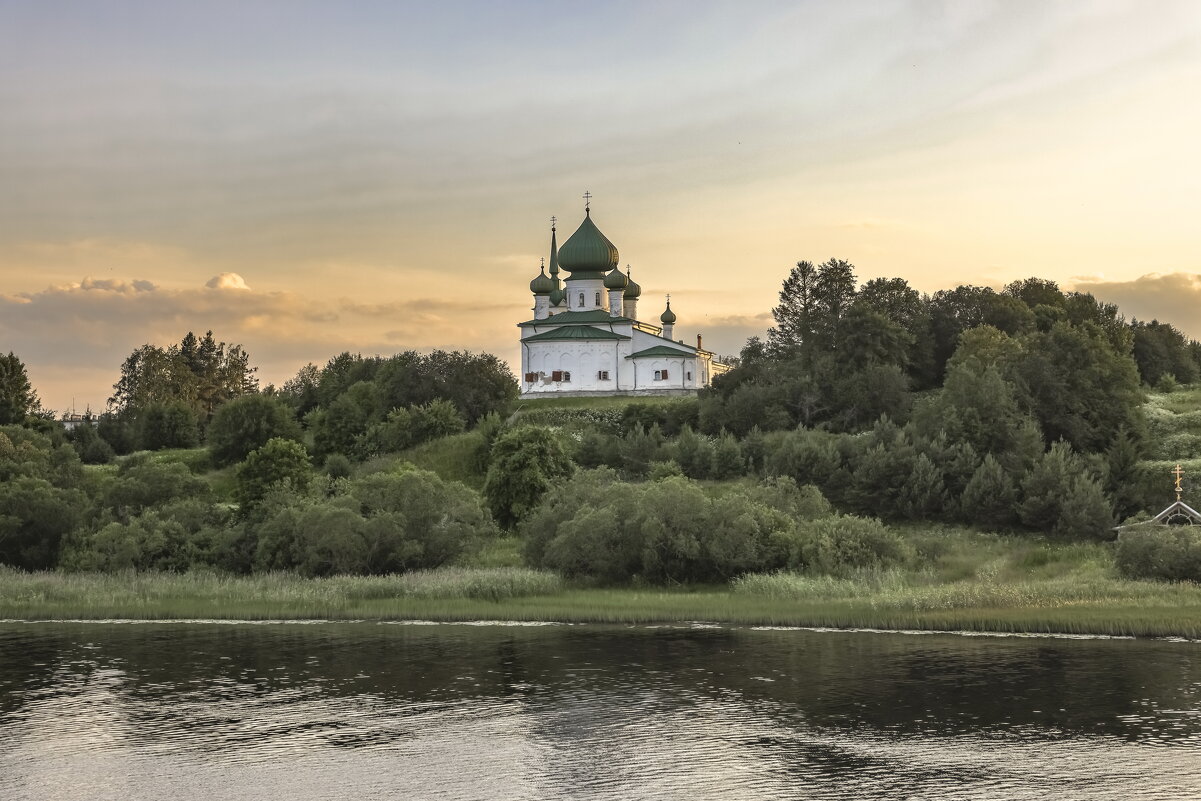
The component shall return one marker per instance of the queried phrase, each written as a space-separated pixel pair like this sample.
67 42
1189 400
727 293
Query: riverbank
891 601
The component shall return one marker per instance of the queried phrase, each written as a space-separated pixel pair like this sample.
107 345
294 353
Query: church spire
554 255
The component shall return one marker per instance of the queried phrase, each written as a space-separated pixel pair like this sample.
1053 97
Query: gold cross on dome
552 221
587 199
1178 472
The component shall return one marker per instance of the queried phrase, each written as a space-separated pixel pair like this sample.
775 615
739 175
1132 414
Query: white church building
586 338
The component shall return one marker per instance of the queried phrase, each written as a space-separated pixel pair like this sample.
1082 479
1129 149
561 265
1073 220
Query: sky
307 178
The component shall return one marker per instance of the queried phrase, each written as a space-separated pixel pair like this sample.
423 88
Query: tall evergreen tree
17 398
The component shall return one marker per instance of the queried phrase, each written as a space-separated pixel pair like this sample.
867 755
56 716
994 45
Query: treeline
841 355
150 514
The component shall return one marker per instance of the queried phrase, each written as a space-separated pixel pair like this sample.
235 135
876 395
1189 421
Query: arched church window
597 298
581 300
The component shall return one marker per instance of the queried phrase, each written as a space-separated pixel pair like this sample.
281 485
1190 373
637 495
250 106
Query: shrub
35 517
142 483
526 463
280 461
843 544
245 424
382 523
168 425
1160 552
668 530
337 466
92 449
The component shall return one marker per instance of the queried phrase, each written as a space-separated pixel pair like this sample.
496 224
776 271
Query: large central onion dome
588 253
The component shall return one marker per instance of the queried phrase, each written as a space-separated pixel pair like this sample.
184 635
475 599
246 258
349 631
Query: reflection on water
199 711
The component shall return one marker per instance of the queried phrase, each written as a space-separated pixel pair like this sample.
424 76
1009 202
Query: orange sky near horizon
383 179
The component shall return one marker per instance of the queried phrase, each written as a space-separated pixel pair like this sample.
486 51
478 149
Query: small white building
586 338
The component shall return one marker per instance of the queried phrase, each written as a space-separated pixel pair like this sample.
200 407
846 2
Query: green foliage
246 424
337 466
668 530
842 544
35 517
728 459
694 454
176 536
199 372
527 461
404 428
382 523
1172 553
142 483
1163 355
476 383
341 426
990 496
169 424
279 462
1059 496
17 398
92 449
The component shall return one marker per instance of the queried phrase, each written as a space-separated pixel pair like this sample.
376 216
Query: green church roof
587 250
633 289
573 332
542 284
616 280
660 351
668 316
578 318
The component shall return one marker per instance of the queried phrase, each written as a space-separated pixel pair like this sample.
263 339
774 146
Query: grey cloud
1172 298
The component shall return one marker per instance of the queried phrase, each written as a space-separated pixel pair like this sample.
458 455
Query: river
206 711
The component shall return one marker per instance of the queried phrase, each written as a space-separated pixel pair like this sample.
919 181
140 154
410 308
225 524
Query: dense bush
1160 552
527 462
279 462
383 523
671 530
171 424
247 423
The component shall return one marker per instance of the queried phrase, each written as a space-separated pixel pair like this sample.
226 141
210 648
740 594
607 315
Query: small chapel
586 338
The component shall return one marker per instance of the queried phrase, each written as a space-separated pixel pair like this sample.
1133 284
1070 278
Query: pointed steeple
554 255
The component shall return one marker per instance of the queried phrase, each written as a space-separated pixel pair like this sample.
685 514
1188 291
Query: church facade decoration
585 337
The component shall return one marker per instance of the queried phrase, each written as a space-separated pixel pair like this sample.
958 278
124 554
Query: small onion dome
633 289
543 284
588 250
668 316
557 296
616 280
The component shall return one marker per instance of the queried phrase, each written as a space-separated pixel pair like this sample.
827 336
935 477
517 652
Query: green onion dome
587 251
616 280
668 316
543 284
633 289
557 296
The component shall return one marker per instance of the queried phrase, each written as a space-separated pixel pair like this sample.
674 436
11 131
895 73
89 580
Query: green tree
246 424
17 398
1077 387
526 462
35 517
170 424
1061 497
278 462
990 498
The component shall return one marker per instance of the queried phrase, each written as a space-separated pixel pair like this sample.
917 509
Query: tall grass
453 458
265 595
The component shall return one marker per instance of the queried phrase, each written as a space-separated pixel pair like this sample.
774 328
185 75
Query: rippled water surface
364 711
